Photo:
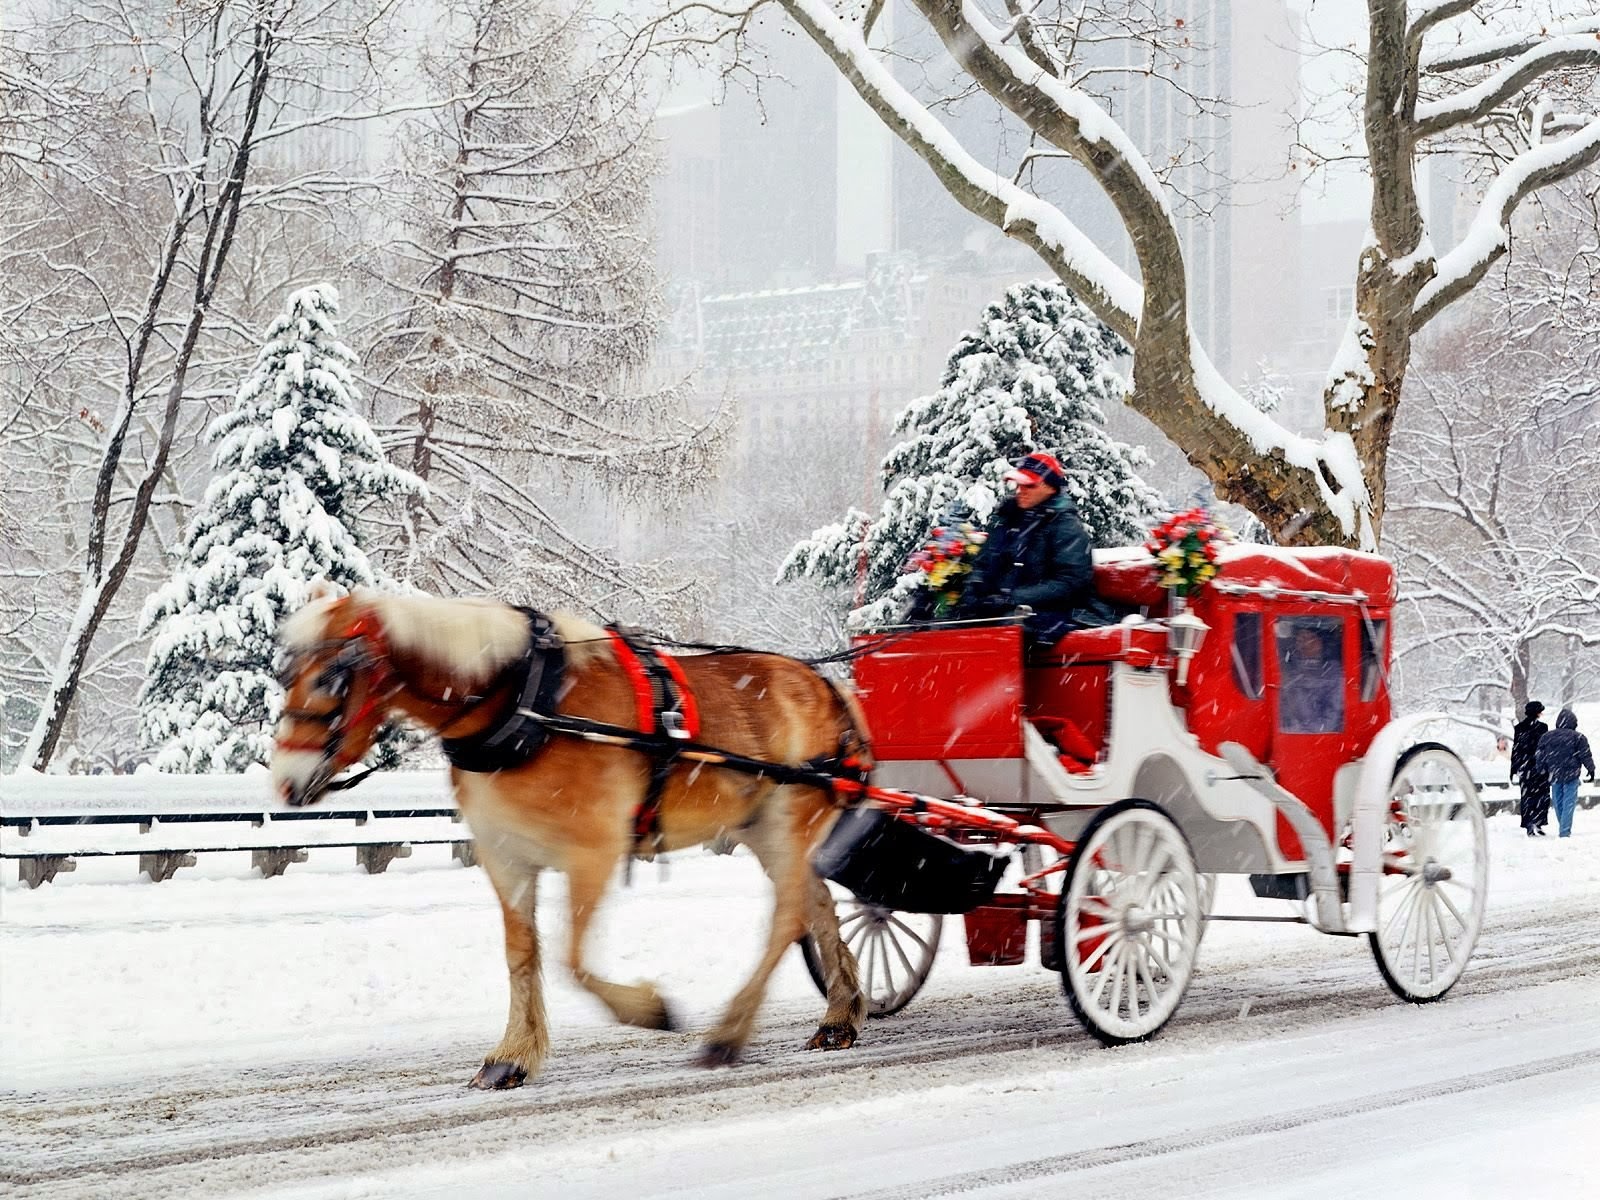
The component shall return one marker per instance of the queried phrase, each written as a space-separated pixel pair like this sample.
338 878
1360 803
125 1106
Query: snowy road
311 1035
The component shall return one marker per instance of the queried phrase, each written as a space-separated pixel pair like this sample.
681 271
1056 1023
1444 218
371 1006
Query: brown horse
451 665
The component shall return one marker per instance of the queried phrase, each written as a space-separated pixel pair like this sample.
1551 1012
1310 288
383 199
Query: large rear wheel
894 950
1435 878
1129 922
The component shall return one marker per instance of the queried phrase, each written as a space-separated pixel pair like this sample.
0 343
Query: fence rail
48 823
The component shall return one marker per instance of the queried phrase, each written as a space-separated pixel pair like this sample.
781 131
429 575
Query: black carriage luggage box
892 863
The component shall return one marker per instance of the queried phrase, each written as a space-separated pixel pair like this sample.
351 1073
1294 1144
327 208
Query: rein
532 719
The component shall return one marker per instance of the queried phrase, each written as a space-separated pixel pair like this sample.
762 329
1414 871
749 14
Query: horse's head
338 683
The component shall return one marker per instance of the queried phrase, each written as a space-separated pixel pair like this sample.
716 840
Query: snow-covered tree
1034 375
156 161
1508 85
295 465
519 264
1495 526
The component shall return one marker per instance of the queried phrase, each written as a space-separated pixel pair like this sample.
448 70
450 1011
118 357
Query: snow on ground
307 1011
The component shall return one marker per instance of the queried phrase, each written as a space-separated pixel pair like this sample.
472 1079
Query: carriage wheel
894 951
1129 921
1435 875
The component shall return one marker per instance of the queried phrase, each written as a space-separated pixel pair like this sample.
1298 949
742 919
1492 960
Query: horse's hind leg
781 840
527 1039
847 1005
588 875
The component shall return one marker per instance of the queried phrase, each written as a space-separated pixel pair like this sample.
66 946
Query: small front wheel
894 951
1128 922
1435 878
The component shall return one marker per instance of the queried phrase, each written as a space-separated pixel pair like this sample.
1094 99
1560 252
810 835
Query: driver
1037 554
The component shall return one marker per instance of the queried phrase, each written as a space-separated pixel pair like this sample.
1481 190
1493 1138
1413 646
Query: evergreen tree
294 466
1034 376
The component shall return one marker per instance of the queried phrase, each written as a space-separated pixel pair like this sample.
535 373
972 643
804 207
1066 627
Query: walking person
1562 753
1535 807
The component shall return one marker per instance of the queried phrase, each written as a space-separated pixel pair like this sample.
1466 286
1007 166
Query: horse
462 669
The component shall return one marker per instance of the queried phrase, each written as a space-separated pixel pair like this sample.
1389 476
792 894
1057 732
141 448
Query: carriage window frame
1374 636
1249 667
1331 631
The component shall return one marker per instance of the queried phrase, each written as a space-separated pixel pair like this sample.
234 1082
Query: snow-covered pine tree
295 465
1033 376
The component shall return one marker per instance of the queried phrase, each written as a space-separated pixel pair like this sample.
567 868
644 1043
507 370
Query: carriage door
1312 710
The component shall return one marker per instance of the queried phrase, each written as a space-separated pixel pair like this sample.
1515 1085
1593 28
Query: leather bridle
361 650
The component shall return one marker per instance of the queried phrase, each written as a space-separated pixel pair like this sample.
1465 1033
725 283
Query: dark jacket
1563 752
1039 557
1524 744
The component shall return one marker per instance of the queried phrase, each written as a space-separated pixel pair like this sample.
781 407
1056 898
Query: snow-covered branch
1477 102
1488 235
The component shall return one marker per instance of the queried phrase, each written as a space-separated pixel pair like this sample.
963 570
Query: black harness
520 734
532 720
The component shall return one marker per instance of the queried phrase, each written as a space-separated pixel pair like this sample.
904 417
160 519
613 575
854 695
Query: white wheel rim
1436 874
894 950
1132 923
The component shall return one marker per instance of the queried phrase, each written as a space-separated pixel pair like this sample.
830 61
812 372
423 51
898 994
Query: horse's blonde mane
468 637
584 640
465 636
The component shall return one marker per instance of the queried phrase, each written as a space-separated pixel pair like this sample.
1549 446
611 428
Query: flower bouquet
1185 548
945 561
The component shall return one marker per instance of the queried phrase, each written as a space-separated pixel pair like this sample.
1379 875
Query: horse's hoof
664 1020
719 1054
498 1076
832 1037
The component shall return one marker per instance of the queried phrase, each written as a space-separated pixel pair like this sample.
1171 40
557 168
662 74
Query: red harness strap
666 709
644 692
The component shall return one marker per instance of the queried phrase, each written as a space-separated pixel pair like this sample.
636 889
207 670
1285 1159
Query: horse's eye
334 680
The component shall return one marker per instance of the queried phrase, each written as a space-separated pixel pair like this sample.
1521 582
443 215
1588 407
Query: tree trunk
1521 668
104 581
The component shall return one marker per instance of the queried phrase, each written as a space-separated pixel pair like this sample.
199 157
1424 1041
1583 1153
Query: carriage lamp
1185 632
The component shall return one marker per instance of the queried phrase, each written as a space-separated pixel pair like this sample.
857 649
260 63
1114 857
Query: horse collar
536 681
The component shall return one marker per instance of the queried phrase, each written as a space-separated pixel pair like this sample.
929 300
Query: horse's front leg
781 840
527 1037
589 874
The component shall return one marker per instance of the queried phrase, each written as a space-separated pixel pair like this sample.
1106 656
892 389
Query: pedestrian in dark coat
1535 783
1563 754
1037 554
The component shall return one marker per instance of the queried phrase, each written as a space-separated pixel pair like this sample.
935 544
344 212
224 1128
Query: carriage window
1247 654
1310 674
1372 642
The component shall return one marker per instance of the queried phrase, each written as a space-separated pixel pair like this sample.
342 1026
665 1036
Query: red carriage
1121 770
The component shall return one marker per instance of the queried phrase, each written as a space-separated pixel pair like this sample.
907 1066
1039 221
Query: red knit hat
1038 467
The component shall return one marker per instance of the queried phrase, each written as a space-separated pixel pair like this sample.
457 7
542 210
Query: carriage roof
1126 574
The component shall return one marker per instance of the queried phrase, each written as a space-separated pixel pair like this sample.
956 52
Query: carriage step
1281 887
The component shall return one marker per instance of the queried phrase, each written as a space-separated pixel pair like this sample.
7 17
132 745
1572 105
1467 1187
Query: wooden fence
48 823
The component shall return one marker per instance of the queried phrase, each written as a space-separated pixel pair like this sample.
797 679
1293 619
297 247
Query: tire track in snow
1084 1160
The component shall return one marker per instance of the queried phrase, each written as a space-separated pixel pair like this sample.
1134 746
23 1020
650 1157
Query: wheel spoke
1102 949
1449 904
909 932
901 953
855 918
1116 986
